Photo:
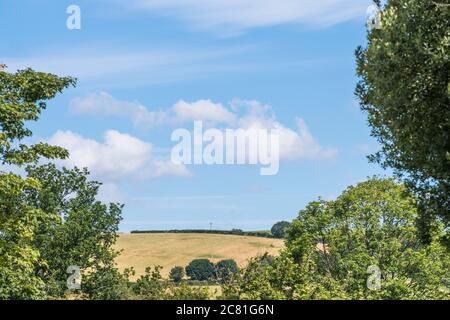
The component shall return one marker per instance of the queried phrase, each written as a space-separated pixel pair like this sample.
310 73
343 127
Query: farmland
169 250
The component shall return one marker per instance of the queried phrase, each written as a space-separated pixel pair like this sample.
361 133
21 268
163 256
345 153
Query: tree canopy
334 248
404 89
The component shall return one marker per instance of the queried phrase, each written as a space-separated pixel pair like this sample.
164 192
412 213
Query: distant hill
141 250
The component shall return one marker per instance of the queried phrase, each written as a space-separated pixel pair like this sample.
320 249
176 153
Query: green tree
176 274
200 269
18 257
107 283
151 286
279 229
23 96
333 249
186 292
226 269
371 225
260 280
404 89
79 229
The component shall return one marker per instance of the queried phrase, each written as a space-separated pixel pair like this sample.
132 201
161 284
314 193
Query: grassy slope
169 250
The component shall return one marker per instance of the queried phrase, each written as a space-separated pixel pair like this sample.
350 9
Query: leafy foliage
151 285
226 269
331 245
176 274
279 229
79 230
18 222
200 269
404 89
22 98
107 283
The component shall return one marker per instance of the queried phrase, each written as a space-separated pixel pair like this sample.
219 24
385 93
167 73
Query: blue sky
144 67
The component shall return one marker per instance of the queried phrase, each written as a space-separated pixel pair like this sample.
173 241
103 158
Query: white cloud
238 15
297 143
202 110
119 156
294 144
110 192
104 104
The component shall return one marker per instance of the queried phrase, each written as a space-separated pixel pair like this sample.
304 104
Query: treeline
237 232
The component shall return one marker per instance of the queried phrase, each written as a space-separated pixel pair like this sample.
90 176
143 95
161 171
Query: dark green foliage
238 232
200 269
151 286
279 229
23 96
107 283
177 274
332 246
226 269
404 89
79 230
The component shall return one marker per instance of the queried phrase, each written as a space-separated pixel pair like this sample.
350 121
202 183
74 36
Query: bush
176 274
279 229
107 283
151 286
225 269
200 269
186 292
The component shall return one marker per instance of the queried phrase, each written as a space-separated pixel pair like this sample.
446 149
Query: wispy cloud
234 16
136 66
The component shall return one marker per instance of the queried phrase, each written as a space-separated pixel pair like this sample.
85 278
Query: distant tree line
238 232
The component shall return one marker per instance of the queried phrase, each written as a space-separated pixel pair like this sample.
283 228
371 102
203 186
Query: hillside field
169 250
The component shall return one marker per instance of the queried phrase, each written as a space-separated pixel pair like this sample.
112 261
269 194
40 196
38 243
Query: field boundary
237 232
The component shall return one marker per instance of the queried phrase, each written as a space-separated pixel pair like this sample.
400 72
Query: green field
169 250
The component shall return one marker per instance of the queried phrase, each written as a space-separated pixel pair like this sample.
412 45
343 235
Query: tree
186 292
200 269
50 220
404 89
176 274
151 286
335 249
370 227
107 283
79 229
18 257
23 96
260 280
279 229
226 269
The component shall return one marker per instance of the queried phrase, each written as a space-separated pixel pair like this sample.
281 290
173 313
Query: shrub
151 285
186 292
176 274
279 229
200 269
225 269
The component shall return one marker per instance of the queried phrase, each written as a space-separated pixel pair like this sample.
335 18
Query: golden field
178 249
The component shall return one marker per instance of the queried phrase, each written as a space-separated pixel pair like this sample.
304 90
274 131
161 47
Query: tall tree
23 96
404 89
79 230
364 245
369 227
